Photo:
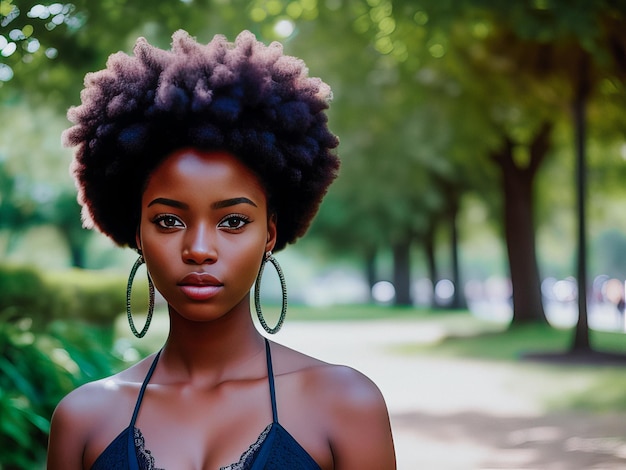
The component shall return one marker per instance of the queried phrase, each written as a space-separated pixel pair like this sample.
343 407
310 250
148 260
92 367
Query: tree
578 46
519 224
383 199
521 62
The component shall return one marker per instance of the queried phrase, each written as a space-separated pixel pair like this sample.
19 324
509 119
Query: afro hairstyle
245 98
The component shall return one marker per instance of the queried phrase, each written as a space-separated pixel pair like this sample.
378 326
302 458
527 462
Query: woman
206 159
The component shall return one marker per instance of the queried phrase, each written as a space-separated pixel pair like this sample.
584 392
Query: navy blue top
275 449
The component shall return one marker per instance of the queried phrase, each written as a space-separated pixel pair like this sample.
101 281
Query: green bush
56 333
96 297
36 371
23 294
93 296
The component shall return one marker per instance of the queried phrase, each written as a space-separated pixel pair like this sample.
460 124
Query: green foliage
56 333
610 259
36 371
57 43
77 295
23 294
92 296
41 359
18 209
420 88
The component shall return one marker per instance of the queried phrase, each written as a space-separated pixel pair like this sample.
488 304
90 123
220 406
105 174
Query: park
470 257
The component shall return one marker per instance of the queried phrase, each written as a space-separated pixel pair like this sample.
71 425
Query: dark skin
205 214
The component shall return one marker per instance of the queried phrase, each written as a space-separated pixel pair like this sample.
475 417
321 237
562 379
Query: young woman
206 159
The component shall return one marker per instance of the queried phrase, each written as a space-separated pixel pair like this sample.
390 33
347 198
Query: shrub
23 294
93 296
96 297
36 371
56 333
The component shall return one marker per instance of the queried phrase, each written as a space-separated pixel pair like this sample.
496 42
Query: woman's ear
271 233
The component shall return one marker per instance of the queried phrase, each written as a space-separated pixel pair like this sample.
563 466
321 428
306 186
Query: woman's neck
216 350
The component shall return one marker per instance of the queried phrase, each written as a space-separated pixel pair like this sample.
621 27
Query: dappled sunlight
19 44
62 358
482 441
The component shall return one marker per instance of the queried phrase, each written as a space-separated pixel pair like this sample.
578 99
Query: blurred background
476 227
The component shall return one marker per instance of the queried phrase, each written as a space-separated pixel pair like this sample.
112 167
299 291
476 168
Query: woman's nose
199 246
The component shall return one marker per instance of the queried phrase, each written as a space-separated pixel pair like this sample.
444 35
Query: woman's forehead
205 172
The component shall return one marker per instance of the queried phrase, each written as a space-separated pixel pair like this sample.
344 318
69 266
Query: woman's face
204 231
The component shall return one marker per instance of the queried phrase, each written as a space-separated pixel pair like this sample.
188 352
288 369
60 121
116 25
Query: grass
513 343
562 386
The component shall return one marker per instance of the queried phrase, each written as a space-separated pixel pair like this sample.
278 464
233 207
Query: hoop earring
129 286
257 295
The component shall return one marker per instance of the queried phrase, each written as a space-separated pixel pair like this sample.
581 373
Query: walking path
455 414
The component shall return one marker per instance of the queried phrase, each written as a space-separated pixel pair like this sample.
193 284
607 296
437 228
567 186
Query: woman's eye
234 222
168 221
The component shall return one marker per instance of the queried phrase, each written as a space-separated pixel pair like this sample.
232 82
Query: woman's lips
200 292
200 286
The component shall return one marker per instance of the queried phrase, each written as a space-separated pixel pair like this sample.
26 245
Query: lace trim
146 459
245 460
144 456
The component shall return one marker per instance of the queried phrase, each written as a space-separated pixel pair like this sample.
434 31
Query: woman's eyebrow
216 205
232 202
169 202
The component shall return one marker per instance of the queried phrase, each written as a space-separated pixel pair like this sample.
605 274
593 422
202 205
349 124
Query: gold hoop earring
129 287
257 295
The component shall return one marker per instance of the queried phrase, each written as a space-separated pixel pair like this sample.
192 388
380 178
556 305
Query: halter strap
131 440
143 389
270 379
133 464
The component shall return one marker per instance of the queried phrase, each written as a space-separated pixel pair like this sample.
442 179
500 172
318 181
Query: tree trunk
402 272
458 300
581 337
78 256
519 226
370 271
76 243
431 261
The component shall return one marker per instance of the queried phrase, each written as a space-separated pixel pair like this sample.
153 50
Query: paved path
450 414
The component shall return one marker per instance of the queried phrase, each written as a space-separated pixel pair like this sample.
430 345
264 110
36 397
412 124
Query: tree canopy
434 101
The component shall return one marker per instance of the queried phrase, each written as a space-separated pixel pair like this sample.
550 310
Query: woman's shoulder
338 386
95 409
97 398
344 405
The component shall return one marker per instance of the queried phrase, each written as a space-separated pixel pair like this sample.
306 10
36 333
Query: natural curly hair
243 97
